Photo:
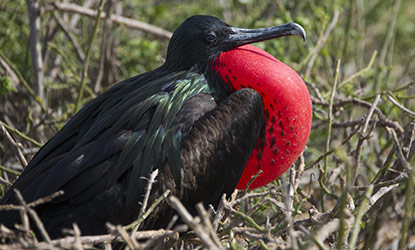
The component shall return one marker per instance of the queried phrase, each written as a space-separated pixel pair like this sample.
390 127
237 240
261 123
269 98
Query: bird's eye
210 37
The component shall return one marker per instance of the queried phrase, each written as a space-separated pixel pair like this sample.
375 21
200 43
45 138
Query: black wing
102 157
117 139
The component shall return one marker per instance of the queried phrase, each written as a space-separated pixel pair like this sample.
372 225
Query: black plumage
180 118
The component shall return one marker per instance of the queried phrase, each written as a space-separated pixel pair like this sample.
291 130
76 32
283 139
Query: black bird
181 118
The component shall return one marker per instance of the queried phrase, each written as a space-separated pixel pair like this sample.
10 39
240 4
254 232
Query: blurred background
357 61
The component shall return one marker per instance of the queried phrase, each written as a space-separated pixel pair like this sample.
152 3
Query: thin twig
207 223
66 30
33 203
327 229
398 179
399 152
119 230
259 194
321 43
359 215
15 145
390 35
32 213
5 183
316 241
289 194
363 136
9 170
13 76
353 132
321 157
108 238
148 191
131 23
23 81
135 225
379 194
17 132
362 71
220 212
403 108
330 117
193 223
382 118
252 180
249 220
88 57
391 31
409 203
315 90
105 46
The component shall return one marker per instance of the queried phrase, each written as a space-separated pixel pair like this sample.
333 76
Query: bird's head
199 40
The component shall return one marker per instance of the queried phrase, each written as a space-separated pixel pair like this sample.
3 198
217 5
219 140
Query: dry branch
13 76
79 52
131 23
195 224
33 215
33 203
35 48
403 108
14 144
321 43
362 137
5 183
382 118
399 152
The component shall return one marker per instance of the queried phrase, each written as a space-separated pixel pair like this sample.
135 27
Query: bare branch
13 76
403 108
32 213
399 153
321 43
5 183
131 23
33 203
379 194
66 29
88 57
194 223
382 118
35 48
363 136
105 46
16 146
148 191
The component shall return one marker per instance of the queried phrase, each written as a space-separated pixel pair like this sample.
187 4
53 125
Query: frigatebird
198 119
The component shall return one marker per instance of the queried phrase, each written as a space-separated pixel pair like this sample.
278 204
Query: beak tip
300 30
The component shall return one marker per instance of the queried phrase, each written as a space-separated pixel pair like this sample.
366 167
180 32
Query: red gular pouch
288 111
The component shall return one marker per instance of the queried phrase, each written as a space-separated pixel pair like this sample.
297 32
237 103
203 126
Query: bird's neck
219 88
217 85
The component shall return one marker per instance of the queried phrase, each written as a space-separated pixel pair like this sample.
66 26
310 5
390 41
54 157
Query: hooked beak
239 37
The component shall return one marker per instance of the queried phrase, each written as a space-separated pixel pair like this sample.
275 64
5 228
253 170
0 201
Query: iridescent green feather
162 136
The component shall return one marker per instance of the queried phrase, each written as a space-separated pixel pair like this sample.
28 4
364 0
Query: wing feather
132 128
